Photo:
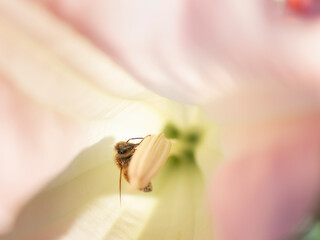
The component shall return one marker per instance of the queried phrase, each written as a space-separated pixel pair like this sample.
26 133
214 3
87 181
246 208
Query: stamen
148 159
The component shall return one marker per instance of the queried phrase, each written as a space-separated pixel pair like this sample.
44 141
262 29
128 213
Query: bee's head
123 147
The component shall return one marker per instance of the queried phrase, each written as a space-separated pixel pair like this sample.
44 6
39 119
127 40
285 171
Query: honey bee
124 152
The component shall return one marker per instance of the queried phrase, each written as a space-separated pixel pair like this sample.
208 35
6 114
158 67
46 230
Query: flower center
185 142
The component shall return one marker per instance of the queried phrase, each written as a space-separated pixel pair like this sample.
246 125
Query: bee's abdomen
125 174
123 160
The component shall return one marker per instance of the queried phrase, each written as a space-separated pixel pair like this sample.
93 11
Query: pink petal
269 191
193 51
263 44
154 41
36 144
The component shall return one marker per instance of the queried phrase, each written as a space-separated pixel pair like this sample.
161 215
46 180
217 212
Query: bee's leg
147 188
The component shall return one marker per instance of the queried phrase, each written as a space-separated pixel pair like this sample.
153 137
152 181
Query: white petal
55 65
180 212
194 51
157 42
137 120
104 218
208 153
84 201
36 144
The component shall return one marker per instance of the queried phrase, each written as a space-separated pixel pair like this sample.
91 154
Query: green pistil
188 155
192 136
174 160
171 132
185 142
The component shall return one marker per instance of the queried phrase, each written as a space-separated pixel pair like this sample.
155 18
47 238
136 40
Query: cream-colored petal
105 219
37 143
181 210
137 120
209 154
83 203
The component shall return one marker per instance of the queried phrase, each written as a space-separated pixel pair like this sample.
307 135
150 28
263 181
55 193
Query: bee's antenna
120 183
134 138
138 138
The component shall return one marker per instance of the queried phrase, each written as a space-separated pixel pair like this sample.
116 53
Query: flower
266 104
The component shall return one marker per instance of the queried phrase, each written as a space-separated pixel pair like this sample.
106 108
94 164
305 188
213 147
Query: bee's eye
122 151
